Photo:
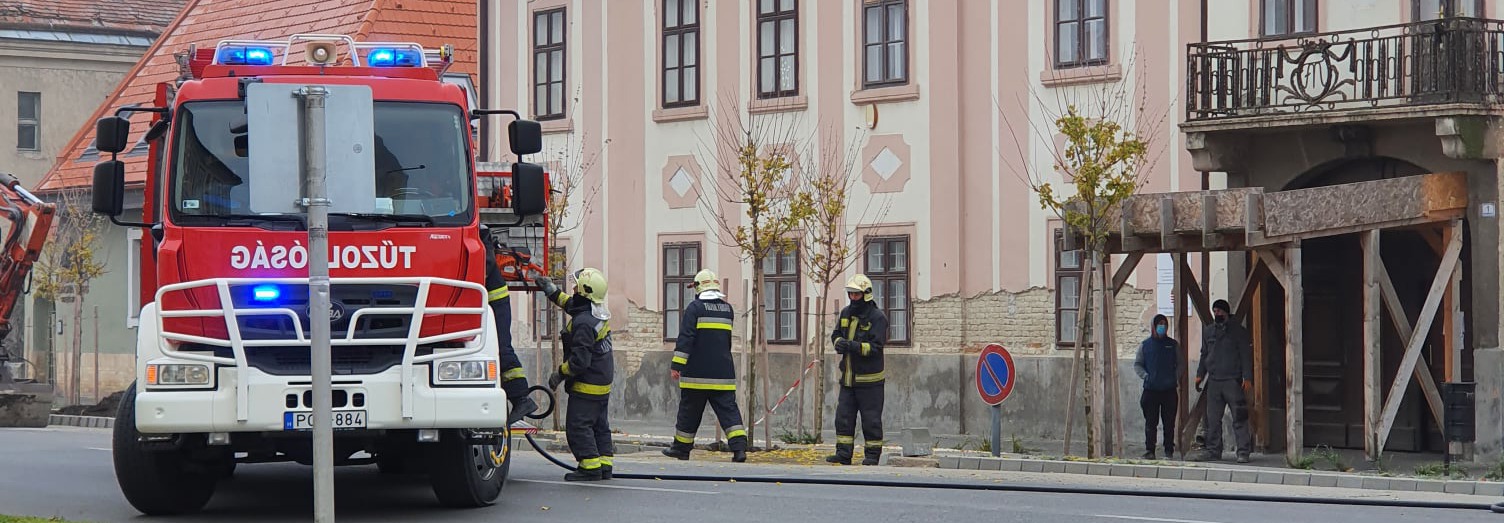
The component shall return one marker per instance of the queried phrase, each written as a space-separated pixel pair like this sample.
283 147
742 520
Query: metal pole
317 206
997 430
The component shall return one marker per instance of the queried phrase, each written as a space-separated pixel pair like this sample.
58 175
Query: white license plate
343 419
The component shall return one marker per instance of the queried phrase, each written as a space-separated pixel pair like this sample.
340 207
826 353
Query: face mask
1161 329
1221 319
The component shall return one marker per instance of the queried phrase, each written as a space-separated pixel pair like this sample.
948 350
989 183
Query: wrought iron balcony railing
1454 60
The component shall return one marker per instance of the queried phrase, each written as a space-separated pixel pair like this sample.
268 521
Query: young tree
830 237
755 171
72 257
570 202
1109 145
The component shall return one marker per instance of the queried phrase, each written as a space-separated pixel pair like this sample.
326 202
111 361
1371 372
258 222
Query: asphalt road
67 472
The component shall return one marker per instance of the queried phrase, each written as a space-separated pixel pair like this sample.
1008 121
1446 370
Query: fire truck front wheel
466 475
157 482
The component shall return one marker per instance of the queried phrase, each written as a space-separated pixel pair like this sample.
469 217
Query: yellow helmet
591 283
860 283
706 280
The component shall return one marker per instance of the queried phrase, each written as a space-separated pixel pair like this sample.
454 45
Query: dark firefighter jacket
865 324
588 362
702 353
499 297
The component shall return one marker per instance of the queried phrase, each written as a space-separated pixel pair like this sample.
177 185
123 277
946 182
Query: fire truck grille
346 300
294 361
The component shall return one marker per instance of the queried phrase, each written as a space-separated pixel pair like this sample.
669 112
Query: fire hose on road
1041 489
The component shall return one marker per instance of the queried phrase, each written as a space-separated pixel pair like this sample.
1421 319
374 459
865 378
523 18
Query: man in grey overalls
1227 360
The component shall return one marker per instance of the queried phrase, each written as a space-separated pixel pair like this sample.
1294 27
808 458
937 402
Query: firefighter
513 378
586 372
703 367
859 338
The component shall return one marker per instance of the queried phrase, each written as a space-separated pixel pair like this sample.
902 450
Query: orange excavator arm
25 221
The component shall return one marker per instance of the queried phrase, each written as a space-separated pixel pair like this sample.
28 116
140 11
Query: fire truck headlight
265 293
177 374
466 371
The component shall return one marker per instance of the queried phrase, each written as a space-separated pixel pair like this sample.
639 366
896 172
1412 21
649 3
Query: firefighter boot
870 455
842 455
521 407
677 451
606 464
584 474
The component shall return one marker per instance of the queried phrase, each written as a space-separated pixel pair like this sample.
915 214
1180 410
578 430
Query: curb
88 422
1265 477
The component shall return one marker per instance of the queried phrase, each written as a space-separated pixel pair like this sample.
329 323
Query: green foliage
69 260
1101 163
1438 470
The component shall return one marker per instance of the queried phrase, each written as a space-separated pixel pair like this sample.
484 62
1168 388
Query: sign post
994 383
317 204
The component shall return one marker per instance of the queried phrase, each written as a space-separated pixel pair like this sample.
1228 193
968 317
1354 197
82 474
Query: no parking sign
995 374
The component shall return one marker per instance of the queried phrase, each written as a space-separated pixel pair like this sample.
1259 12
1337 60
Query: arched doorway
1333 323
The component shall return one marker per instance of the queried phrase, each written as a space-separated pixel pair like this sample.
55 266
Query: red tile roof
430 23
134 16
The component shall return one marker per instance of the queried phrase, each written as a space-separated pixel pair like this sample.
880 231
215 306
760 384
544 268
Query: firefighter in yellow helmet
859 337
706 373
586 372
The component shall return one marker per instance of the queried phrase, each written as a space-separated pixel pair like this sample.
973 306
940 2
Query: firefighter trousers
692 410
588 431
867 402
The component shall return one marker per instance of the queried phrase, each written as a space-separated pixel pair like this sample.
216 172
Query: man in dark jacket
587 371
859 337
1158 364
513 378
706 373
1227 368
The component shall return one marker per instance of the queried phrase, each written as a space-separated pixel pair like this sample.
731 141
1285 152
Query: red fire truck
223 347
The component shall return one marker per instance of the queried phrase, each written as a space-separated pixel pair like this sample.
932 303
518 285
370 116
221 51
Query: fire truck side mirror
111 133
526 135
109 187
529 197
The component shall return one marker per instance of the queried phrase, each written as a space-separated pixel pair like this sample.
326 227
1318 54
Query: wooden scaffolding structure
1272 226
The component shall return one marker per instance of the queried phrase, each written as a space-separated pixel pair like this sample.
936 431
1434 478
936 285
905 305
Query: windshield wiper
250 220
393 218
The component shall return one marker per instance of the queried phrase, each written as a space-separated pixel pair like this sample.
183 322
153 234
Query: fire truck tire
464 475
156 482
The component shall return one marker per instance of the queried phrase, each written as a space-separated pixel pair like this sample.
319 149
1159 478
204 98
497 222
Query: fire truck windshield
422 168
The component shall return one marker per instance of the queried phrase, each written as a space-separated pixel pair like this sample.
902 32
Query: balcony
1452 66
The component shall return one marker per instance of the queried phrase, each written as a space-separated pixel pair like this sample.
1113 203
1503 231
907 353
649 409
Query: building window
885 43
680 263
1068 276
1436 9
1287 17
1080 33
887 265
29 121
548 64
777 48
780 297
681 53
546 315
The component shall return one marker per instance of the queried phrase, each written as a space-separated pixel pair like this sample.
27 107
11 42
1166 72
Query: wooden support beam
1422 329
1210 238
1120 278
1244 296
1401 324
1453 323
1276 267
1294 357
1184 418
1253 219
1129 240
1260 366
1203 307
1167 238
1372 343
1436 237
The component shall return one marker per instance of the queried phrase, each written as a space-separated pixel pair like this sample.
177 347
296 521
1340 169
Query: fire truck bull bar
237 345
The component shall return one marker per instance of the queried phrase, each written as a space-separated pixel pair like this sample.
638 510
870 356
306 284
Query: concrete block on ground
1297 479
1350 481
1075 467
917 441
25 409
1376 483
1223 475
913 462
1057 467
1170 472
1488 488
992 464
1010 465
1124 471
970 464
1271 477
1099 469
1193 474
1030 465
1245 476
1401 484
1461 487
1145 471
1324 480
949 462
1430 485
